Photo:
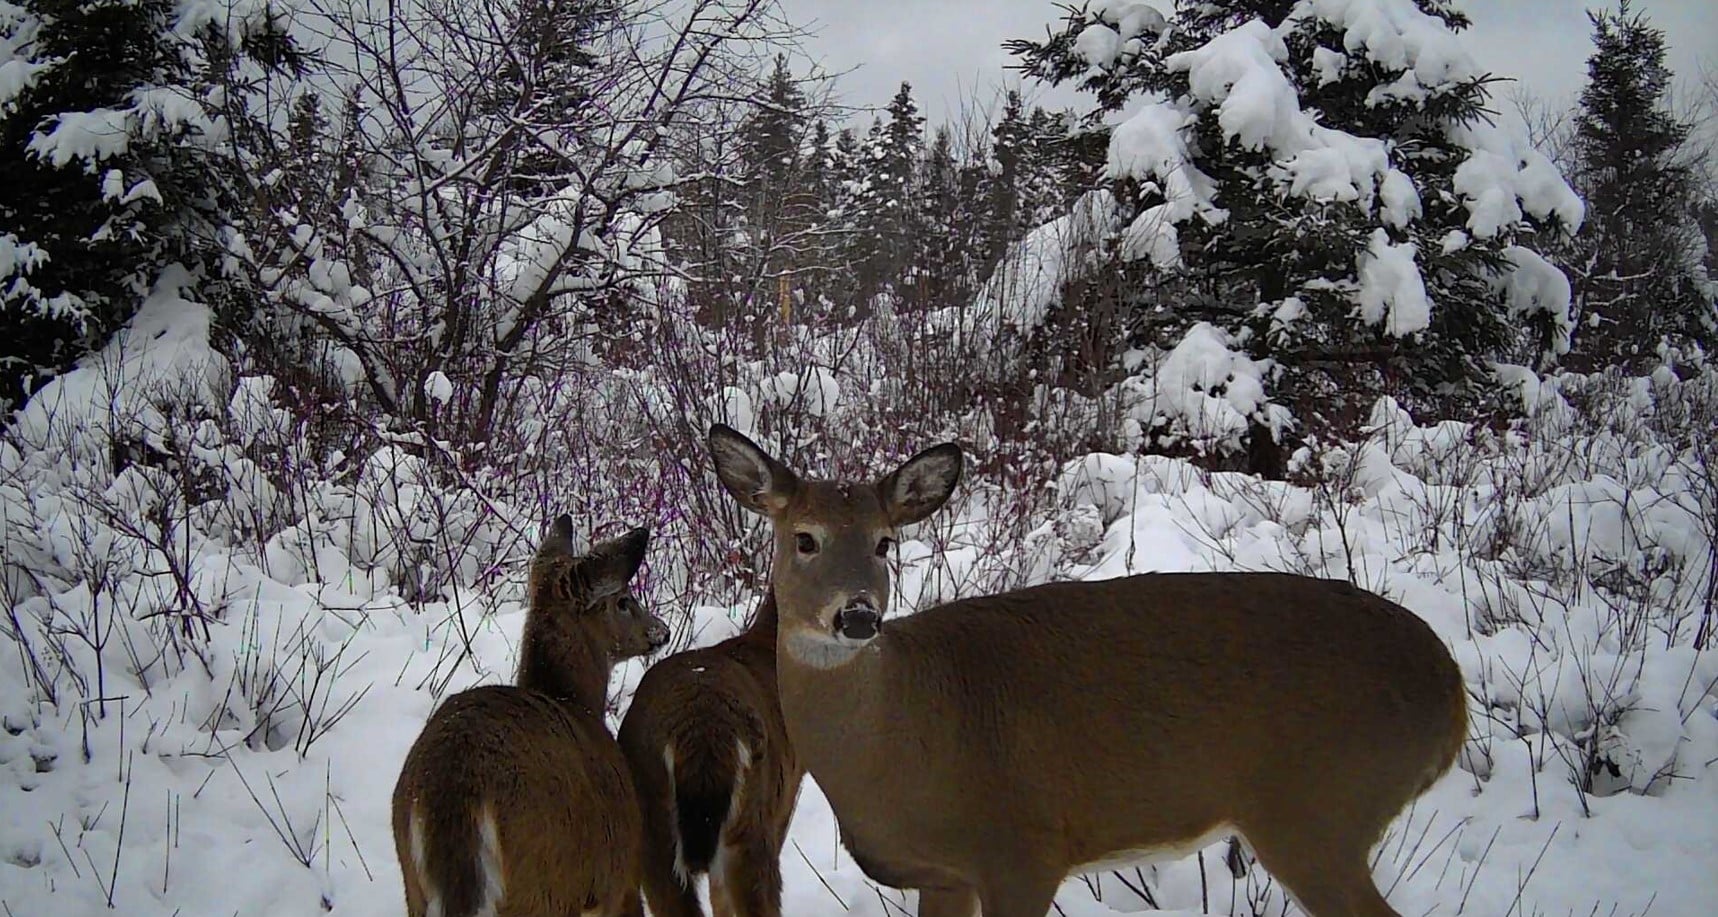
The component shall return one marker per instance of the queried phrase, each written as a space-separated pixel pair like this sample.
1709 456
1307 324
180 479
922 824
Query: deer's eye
805 543
884 545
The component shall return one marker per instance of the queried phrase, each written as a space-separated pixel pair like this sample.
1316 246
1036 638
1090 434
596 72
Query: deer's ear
761 484
560 539
922 484
612 564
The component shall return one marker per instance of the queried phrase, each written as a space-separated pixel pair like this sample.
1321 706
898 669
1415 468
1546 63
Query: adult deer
717 779
516 800
983 750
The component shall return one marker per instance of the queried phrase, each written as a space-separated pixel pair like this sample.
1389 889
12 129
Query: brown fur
701 704
534 764
1055 727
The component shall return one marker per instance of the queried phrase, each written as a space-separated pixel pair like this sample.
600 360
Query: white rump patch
489 862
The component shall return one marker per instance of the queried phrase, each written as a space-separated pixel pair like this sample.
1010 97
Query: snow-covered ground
248 771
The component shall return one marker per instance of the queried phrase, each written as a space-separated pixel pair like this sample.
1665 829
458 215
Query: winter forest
316 312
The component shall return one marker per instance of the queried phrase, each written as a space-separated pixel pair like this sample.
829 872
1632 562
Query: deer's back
703 701
1214 664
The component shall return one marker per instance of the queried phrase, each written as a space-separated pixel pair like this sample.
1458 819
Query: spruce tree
779 206
1637 262
1009 147
939 257
116 147
1324 191
895 184
881 214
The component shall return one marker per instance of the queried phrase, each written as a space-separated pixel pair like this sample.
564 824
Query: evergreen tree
773 132
885 216
847 217
542 86
1008 146
780 208
939 259
1326 194
115 147
1027 185
821 171
1048 168
1637 263
821 246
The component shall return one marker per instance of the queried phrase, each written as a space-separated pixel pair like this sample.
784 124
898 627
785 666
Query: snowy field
202 722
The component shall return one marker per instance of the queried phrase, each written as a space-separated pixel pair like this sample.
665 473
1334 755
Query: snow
1398 36
813 390
89 135
18 69
1117 27
16 76
1239 77
1392 291
1239 73
1536 286
1152 145
1203 389
1400 198
235 677
238 19
113 188
1021 293
1098 44
164 350
438 387
18 257
736 409
1328 65
1503 177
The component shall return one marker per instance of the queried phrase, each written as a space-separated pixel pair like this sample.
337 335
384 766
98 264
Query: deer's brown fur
983 750
717 778
515 800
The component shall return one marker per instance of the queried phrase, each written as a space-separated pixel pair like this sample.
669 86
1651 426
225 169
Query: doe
983 750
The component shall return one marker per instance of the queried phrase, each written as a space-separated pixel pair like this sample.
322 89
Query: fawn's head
832 538
590 591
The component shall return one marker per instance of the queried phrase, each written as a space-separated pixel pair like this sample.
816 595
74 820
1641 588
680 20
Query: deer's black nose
859 621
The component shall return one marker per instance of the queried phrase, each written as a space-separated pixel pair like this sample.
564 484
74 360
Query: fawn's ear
612 564
761 484
560 539
921 485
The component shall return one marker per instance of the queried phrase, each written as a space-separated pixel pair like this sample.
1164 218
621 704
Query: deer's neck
837 716
567 660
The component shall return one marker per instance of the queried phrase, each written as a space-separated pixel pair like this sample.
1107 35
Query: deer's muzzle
859 621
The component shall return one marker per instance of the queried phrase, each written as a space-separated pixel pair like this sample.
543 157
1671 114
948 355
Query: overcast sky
949 48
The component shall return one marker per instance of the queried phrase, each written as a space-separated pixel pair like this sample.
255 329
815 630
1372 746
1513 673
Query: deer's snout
657 633
859 619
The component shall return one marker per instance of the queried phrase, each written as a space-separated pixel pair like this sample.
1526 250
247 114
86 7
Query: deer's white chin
823 651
